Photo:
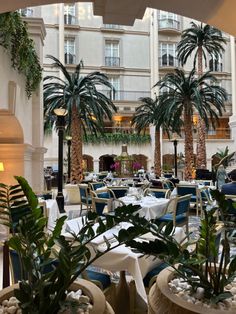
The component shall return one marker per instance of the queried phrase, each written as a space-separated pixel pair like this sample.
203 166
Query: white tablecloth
151 207
53 213
122 257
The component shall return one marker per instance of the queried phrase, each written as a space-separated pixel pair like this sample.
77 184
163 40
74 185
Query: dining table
122 258
151 207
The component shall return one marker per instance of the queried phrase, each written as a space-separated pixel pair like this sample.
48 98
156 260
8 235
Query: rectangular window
69 50
112 54
215 64
112 94
26 12
69 14
168 20
167 53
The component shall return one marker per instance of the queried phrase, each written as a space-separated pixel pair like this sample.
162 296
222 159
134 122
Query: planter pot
162 301
91 290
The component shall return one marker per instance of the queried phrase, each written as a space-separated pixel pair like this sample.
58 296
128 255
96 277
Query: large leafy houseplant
44 291
200 267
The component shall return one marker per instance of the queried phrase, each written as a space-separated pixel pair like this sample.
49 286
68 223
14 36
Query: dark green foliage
117 138
195 94
205 37
83 92
15 39
44 292
199 267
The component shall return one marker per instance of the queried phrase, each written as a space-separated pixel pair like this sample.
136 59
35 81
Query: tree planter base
163 301
100 306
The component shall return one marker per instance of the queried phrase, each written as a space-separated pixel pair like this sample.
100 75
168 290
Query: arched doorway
11 147
105 162
168 162
88 163
142 159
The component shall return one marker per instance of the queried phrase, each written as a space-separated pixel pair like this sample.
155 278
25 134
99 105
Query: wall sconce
1 166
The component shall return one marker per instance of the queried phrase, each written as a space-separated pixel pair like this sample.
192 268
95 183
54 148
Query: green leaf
221 297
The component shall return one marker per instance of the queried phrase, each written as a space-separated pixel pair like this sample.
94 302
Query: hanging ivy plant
117 138
15 39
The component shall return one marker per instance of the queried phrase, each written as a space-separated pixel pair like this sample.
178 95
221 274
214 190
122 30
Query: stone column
34 150
232 120
96 165
154 69
61 34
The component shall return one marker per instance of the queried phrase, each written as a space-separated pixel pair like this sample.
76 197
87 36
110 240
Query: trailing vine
117 138
15 39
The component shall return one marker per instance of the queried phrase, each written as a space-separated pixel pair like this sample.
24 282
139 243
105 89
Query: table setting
121 258
151 207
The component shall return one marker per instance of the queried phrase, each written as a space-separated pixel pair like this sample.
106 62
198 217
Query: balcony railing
168 61
70 19
169 24
112 26
216 66
112 61
218 133
70 58
27 12
126 95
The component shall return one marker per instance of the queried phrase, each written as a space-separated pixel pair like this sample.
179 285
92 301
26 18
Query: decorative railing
126 95
216 66
169 24
112 61
70 19
168 61
26 12
70 58
112 26
218 133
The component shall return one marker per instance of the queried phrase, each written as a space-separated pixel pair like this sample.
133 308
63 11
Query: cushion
103 278
155 271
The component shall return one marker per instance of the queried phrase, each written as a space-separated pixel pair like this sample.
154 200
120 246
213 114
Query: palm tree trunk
188 147
157 153
76 147
201 127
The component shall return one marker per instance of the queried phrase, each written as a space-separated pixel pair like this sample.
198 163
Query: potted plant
50 263
202 282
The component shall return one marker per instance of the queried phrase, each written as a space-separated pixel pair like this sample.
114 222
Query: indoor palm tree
87 106
183 96
201 41
145 116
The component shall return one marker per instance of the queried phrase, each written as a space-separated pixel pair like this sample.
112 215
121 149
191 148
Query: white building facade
134 58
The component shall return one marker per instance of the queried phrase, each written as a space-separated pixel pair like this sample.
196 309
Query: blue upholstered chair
189 189
119 191
167 184
105 193
102 280
158 193
98 204
16 269
85 198
96 185
151 276
180 211
204 198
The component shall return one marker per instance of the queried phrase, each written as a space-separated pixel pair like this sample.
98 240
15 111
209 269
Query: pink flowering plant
136 165
115 166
